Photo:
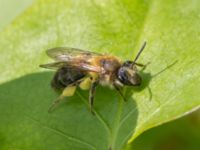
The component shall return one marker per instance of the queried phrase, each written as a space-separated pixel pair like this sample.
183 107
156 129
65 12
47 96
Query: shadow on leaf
23 108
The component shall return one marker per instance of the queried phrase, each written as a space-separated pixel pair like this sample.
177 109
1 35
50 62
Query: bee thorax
105 80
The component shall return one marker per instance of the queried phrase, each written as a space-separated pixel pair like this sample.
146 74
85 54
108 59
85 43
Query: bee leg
140 65
68 91
85 84
55 103
120 92
91 95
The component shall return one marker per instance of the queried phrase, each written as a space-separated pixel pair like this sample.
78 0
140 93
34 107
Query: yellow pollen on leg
85 84
93 76
69 91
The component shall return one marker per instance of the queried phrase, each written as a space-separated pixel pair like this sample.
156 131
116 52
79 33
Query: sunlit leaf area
160 114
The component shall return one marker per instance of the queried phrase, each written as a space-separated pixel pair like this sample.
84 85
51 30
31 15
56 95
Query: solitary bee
87 69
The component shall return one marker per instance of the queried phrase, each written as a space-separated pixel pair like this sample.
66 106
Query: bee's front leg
120 92
91 94
142 65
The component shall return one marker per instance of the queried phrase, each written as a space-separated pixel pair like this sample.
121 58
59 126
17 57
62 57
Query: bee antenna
140 51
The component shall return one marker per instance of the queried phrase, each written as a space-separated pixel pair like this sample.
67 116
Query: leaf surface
170 85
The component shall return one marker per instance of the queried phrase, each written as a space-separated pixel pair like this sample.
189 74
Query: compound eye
124 76
127 77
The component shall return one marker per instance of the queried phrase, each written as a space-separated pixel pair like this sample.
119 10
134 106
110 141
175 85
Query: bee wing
54 65
68 53
76 65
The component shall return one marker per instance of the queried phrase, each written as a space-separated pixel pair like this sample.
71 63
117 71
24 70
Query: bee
85 69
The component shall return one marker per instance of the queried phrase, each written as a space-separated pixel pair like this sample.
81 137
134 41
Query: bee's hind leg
68 91
91 95
55 103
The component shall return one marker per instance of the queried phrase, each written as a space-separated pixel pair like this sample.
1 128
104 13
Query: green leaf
170 86
171 135
9 9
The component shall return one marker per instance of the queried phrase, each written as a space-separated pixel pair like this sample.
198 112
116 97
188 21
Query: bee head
128 74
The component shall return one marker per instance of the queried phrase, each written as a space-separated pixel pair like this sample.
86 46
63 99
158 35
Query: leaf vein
75 139
97 114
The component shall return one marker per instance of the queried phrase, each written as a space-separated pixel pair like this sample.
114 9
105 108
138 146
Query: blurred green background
182 134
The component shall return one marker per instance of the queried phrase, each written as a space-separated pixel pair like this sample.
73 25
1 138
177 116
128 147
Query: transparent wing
68 53
54 65
76 65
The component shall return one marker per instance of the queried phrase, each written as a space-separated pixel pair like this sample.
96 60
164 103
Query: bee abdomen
66 76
